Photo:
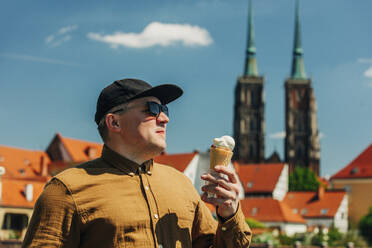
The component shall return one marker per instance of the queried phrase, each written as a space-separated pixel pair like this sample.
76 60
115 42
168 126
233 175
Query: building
302 137
23 174
356 179
321 209
193 165
274 214
67 152
249 121
263 180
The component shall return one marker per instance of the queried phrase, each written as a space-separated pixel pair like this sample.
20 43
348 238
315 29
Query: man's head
134 112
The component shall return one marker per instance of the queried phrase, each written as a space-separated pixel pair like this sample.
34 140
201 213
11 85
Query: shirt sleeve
55 221
232 233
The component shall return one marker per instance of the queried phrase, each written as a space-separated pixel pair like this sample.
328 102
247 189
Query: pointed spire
250 68
298 67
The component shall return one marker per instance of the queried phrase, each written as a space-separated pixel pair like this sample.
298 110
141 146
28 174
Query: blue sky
56 56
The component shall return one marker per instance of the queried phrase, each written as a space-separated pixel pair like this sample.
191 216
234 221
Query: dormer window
324 211
22 171
1 158
250 184
304 211
354 170
27 162
254 211
295 211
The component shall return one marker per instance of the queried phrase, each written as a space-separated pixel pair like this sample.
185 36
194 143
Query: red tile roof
13 192
360 167
259 177
178 161
22 163
269 210
81 150
310 206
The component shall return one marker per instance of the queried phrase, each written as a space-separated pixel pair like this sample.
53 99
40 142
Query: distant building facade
301 146
249 120
302 137
356 179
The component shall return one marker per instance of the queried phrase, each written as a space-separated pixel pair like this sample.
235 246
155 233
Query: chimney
2 172
320 193
43 167
91 152
29 192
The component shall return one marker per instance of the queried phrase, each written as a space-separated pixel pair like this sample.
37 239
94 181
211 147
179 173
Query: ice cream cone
219 156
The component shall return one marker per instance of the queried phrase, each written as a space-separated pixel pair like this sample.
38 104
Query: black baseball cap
125 90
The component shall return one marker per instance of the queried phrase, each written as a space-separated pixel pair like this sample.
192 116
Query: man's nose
162 118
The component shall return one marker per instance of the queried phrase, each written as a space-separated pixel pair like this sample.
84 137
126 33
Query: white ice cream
224 141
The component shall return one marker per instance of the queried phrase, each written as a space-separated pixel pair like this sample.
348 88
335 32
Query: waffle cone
219 156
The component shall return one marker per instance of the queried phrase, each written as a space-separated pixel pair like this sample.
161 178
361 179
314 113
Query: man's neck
138 156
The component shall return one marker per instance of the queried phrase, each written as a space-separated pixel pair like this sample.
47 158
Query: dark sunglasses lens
164 109
155 108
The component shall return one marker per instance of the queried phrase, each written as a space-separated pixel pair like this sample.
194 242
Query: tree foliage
252 223
303 179
365 226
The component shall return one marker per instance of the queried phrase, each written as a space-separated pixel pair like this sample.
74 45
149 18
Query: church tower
249 126
302 137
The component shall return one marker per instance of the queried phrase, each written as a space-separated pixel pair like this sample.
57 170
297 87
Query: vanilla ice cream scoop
224 141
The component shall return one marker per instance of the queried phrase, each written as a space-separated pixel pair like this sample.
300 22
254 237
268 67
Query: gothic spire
250 68
298 68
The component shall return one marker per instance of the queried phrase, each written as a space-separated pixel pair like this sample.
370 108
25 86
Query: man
123 199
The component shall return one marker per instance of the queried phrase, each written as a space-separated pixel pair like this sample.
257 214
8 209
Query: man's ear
112 123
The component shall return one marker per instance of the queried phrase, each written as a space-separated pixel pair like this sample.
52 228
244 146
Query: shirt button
131 174
223 228
156 216
146 187
149 172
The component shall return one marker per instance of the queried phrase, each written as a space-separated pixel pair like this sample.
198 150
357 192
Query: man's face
142 131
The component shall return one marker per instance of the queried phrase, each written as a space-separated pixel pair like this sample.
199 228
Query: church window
242 126
253 98
242 95
252 124
299 95
251 150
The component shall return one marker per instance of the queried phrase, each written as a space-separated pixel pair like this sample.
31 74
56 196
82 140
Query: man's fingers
219 191
227 171
217 201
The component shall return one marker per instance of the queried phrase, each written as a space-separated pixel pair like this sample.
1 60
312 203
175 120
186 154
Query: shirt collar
122 163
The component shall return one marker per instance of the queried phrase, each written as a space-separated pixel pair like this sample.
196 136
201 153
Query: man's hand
226 191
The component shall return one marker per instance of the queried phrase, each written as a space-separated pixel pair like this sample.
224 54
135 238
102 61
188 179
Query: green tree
303 179
365 226
252 223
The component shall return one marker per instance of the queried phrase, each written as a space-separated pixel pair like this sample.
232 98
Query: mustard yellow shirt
114 202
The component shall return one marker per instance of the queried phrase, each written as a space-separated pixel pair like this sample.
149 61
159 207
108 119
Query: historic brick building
302 137
249 120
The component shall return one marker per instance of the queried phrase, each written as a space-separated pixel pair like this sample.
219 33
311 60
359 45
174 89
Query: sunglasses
155 108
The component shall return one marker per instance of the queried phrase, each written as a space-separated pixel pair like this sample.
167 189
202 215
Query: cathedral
301 143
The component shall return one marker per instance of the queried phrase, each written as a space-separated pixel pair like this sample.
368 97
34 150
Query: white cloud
365 60
36 59
67 29
156 33
60 36
278 135
368 72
